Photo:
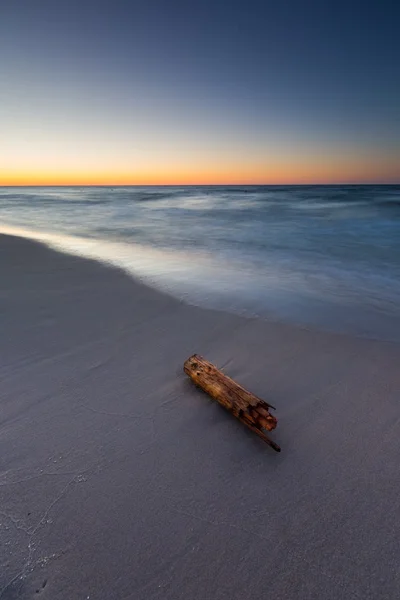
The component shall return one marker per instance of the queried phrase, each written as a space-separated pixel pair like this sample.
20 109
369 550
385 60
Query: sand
120 480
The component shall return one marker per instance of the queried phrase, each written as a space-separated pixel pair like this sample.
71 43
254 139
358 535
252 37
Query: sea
325 257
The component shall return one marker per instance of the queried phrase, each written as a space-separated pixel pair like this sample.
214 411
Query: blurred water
322 255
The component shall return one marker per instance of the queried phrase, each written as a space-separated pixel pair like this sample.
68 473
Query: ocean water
321 256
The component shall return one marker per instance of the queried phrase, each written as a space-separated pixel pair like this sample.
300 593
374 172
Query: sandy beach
119 480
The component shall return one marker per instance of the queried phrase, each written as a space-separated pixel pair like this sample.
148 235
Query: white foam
180 273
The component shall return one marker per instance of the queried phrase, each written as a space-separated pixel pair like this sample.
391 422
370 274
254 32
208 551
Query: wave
310 253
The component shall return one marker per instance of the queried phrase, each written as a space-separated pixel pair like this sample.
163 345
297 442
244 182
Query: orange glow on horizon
195 182
306 169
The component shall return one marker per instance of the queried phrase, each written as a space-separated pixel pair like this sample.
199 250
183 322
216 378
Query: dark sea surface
325 256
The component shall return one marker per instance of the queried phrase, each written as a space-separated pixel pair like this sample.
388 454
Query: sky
191 92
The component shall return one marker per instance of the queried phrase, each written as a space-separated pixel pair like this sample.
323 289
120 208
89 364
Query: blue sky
199 91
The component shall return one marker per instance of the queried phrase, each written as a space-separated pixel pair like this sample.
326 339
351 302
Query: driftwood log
249 409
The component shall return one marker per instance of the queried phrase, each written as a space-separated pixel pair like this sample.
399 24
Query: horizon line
27 185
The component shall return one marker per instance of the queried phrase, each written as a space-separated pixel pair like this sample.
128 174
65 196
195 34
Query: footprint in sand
39 591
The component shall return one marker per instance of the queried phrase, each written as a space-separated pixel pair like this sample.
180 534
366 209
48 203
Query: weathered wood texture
244 405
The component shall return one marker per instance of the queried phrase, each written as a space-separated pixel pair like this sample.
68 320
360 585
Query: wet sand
120 480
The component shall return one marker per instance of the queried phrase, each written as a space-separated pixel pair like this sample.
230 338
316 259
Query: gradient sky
168 91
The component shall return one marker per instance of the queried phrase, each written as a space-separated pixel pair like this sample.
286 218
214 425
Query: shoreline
89 249
119 479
